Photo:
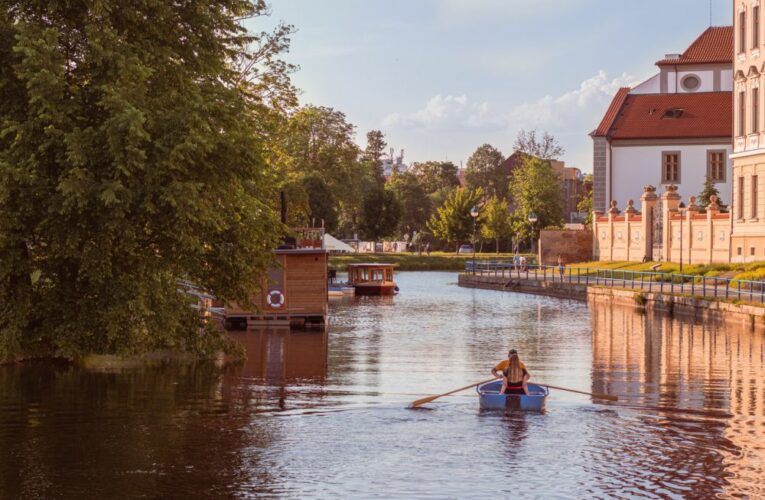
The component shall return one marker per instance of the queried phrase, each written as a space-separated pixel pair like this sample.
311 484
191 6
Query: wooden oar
594 395
422 401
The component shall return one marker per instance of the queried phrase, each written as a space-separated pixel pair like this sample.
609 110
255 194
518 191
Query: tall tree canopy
495 220
436 175
373 153
484 170
381 212
319 141
132 153
545 146
415 203
452 221
535 188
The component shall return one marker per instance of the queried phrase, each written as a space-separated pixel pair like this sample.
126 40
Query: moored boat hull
375 289
490 398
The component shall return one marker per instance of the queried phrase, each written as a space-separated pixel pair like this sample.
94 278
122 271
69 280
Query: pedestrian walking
561 267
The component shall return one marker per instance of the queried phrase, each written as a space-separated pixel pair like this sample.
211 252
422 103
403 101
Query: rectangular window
738 250
742 31
755 26
716 165
741 112
670 167
755 111
751 251
740 198
754 197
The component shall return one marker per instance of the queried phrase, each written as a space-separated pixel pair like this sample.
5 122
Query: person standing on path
561 267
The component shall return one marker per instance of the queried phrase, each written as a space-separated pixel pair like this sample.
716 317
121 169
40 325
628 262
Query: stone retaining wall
681 306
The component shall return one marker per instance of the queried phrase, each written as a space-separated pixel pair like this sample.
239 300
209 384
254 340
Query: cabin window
670 167
716 165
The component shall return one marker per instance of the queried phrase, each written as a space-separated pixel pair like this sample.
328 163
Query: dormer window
690 83
673 113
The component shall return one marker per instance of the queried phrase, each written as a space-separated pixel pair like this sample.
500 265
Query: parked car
466 249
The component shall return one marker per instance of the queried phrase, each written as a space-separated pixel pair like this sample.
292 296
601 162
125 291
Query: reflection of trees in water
706 384
158 431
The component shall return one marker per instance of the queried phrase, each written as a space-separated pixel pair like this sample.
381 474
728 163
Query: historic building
673 129
748 236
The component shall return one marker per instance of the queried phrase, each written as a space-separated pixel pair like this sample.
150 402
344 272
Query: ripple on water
320 415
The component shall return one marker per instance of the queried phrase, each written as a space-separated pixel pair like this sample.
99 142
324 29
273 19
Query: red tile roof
613 110
703 115
715 45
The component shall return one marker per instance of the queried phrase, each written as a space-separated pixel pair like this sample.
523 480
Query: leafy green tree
535 188
415 203
436 175
495 220
381 212
374 152
321 202
452 221
709 190
132 153
585 204
319 141
485 170
545 147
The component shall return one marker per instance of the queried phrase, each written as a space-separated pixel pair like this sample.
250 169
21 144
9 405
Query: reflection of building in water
282 356
704 375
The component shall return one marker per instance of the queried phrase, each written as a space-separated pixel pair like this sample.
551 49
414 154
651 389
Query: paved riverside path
677 284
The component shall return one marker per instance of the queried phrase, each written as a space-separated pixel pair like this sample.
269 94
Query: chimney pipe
283 200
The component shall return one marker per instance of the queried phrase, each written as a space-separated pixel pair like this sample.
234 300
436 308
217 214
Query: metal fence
649 281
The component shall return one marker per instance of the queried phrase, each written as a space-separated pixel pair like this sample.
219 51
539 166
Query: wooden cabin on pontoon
372 279
294 291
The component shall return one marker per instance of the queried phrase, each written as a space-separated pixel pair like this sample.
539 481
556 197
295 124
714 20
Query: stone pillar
670 201
596 227
712 209
688 229
648 202
629 214
612 212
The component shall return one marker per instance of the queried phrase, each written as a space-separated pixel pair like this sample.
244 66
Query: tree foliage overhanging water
132 152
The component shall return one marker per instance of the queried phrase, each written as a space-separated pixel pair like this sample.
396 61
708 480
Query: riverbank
682 305
436 261
738 270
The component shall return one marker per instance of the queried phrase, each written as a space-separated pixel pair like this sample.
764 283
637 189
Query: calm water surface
324 415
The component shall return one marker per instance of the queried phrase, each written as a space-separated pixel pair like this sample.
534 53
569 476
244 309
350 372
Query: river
314 414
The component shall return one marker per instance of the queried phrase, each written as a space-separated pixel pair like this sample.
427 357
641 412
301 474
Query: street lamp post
533 219
474 215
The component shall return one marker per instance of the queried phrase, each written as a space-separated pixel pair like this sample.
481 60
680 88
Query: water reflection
324 413
703 386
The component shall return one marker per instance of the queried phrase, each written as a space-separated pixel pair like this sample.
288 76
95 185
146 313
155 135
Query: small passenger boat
372 279
340 290
490 398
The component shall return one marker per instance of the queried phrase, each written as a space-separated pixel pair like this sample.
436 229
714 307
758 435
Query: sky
442 77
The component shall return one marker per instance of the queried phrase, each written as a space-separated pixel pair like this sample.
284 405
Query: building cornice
690 141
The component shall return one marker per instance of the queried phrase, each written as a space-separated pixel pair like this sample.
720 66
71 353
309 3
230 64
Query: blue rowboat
490 398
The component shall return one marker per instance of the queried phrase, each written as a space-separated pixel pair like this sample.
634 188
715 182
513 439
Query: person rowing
515 377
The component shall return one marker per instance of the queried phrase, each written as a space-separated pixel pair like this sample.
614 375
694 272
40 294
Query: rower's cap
512 351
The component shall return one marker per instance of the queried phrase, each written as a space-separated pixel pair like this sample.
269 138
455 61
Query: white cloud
575 111
582 106
445 113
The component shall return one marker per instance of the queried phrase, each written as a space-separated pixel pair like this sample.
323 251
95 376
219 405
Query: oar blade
423 401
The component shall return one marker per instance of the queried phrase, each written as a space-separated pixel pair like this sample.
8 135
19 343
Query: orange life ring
275 299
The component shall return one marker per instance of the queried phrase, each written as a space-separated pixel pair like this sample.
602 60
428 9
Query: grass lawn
436 261
742 271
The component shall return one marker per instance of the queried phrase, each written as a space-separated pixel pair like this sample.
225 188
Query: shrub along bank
436 261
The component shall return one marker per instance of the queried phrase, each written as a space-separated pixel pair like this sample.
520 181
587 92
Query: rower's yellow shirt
503 364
